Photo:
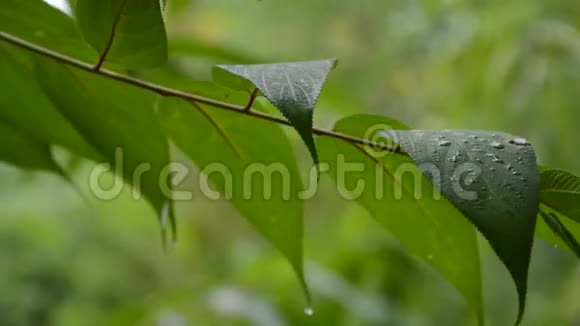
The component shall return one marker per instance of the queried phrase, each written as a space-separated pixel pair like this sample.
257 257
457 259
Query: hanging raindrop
309 311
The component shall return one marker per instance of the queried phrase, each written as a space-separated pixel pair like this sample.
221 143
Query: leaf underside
492 178
293 88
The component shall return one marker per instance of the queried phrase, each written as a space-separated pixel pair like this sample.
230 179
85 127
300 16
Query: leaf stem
252 99
111 39
170 92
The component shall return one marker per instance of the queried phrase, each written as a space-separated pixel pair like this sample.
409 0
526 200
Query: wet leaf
399 197
492 178
293 88
433 230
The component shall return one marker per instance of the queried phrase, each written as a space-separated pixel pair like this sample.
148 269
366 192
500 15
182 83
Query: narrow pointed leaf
293 88
561 231
117 120
492 178
128 33
233 151
399 197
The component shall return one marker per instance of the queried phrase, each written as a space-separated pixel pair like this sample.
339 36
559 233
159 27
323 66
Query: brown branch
251 100
111 39
170 92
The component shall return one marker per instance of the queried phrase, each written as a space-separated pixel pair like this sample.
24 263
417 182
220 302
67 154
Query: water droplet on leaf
519 141
444 143
497 145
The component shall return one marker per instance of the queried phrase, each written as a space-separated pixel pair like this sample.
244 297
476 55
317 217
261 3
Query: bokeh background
507 65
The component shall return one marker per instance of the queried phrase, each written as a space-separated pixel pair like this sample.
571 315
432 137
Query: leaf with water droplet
497 145
309 311
444 143
292 87
507 219
428 226
519 141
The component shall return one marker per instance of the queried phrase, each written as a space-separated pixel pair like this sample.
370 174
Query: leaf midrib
221 132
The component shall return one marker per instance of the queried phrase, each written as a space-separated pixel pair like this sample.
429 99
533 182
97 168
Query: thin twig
251 100
111 39
170 92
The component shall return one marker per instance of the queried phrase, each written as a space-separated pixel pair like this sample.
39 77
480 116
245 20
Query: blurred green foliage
504 65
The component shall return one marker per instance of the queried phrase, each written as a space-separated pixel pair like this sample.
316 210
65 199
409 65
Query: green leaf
24 105
219 142
399 197
120 122
128 33
546 232
493 179
561 231
293 88
22 151
39 23
560 190
430 228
